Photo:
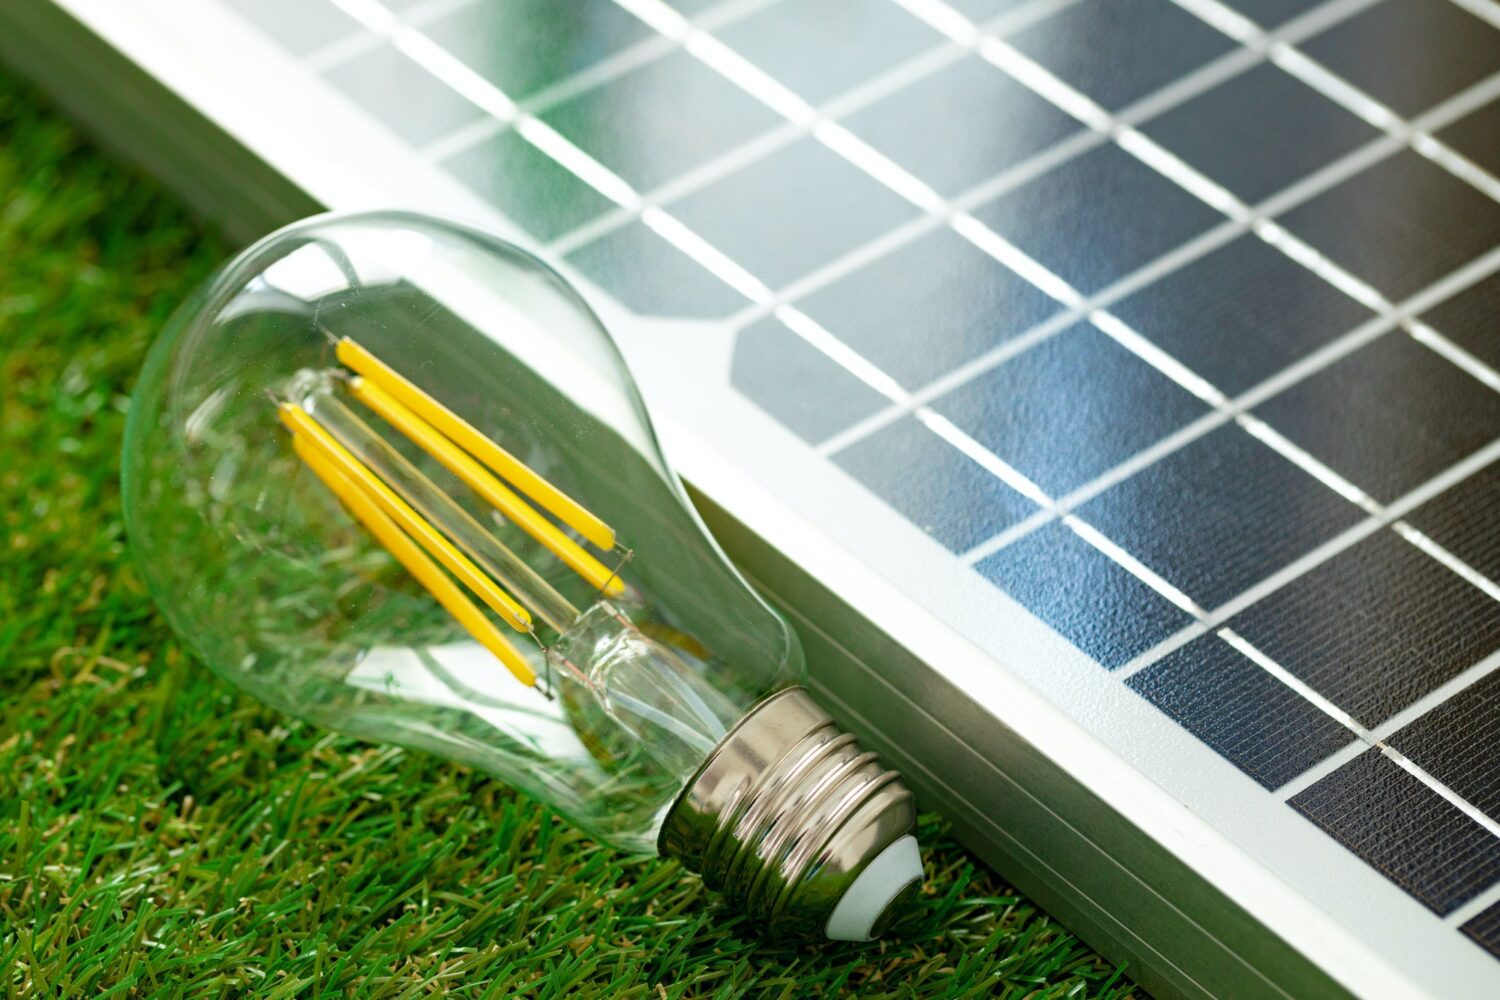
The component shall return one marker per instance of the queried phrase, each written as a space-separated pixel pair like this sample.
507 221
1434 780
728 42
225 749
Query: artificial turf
163 835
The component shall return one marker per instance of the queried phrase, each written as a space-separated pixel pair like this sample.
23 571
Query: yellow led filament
478 479
405 533
408 554
506 465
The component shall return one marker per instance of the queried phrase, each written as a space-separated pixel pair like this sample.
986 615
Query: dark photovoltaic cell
1241 314
1465 520
1388 417
1096 218
1069 409
1484 930
1405 830
1212 515
1477 136
1376 627
885 309
962 125
1258 132
1119 52
1399 226
1088 599
1469 319
1410 54
1458 742
1219 515
937 487
1259 724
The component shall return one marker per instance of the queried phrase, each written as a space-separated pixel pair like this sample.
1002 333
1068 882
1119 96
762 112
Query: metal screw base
786 813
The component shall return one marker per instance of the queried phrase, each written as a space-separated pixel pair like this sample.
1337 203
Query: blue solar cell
1098 217
1260 131
1221 514
1120 51
938 488
1241 314
797 384
1252 719
1070 408
1087 598
962 125
885 310
1405 830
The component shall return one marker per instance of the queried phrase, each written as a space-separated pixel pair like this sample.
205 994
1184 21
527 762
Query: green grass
162 835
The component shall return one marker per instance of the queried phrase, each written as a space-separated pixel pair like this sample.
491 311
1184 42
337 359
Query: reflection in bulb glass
392 476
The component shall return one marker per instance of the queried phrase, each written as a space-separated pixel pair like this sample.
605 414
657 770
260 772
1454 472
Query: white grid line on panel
1388 316
1267 230
1161 650
1236 409
1437 696
1297 684
1074 103
812 332
1305 563
741 72
1462 804
1142 459
549 141
1226 410
606 70
1134 566
1341 91
1307 693
342 50
738 70
1170 95
1063 96
1322 769
1179 257
1486 10
1448 559
1474 907
1460 357
1302 459
799 124
1172 168
1273 234
1346 539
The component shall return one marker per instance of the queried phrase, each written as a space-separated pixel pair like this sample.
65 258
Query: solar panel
1147 347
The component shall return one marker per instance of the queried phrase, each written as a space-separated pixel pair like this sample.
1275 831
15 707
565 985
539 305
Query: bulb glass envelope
420 350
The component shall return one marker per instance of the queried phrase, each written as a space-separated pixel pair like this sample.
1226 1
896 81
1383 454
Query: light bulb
391 475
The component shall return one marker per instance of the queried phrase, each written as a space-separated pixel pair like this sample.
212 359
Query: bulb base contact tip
794 823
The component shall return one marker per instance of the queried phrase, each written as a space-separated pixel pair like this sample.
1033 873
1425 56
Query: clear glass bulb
391 475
